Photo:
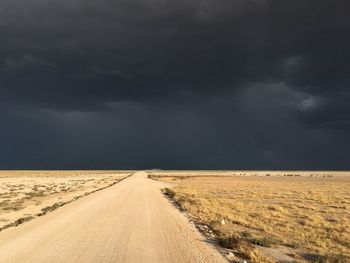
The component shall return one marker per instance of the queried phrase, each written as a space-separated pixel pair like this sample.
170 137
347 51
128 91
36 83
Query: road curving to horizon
128 222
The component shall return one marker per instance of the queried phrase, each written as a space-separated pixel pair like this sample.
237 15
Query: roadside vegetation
306 218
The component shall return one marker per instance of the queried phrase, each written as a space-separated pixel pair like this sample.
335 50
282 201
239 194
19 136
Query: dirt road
128 222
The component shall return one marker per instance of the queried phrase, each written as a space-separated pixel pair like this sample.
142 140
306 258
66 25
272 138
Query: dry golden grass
309 215
26 194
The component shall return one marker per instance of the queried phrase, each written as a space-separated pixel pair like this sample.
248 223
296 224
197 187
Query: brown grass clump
169 192
242 248
310 215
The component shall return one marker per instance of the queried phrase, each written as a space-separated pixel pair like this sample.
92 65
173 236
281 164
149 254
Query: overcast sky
229 84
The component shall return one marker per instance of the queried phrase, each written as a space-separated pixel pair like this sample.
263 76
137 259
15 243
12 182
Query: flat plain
268 216
27 194
258 216
130 221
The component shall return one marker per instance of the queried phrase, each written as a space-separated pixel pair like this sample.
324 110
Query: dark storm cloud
245 74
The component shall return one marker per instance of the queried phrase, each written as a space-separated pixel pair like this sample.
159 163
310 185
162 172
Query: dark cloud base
254 84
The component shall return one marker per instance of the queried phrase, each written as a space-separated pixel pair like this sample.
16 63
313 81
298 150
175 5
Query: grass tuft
169 192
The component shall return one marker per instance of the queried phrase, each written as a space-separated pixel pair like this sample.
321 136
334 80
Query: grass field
304 215
26 194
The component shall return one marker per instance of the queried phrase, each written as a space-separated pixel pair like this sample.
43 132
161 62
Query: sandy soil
26 194
128 222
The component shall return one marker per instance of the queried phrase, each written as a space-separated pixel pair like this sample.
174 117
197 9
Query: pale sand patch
26 194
